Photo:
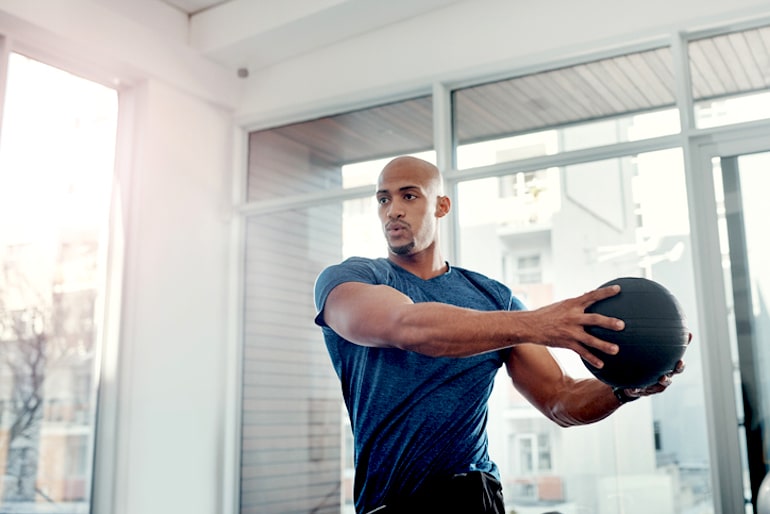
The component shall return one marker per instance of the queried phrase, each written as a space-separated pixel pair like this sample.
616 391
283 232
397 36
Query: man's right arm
378 315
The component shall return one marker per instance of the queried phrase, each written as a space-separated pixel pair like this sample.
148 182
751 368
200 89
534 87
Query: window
730 77
522 269
533 453
308 156
624 98
593 235
295 457
562 179
56 161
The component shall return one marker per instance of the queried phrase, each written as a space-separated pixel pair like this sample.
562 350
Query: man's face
407 206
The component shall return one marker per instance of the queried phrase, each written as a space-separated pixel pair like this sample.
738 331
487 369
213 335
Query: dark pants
467 493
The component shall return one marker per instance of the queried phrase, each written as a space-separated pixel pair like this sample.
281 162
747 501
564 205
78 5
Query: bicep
364 313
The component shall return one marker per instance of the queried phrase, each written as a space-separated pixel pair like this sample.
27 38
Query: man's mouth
394 228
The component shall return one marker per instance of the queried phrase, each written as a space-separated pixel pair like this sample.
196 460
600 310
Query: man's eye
382 200
409 196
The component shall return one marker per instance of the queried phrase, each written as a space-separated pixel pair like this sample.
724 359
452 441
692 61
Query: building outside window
56 162
522 269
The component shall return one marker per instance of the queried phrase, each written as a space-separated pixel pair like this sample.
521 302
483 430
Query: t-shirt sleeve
351 270
516 304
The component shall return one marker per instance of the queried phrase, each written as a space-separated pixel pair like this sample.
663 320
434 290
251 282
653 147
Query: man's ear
443 204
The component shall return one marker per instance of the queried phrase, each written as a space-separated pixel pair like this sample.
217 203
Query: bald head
417 170
410 204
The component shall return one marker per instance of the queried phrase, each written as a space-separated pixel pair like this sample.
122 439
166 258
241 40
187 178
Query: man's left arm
566 400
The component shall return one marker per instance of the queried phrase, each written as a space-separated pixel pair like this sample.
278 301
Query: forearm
582 402
441 330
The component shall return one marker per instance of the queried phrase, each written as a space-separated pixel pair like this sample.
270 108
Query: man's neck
426 265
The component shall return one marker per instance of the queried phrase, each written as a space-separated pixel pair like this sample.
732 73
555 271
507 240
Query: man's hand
659 386
562 325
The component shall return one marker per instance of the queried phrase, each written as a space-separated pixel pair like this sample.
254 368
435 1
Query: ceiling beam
254 34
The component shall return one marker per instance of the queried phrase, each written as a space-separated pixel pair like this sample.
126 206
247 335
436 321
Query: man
417 343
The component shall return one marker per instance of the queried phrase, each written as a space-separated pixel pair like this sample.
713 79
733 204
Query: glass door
731 172
741 183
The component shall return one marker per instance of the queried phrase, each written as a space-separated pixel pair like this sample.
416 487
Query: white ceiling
253 34
194 6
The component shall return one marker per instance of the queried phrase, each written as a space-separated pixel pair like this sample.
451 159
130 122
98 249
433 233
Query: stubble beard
403 249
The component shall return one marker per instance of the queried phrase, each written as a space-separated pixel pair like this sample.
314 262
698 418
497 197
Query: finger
598 320
663 382
679 367
599 294
589 357
652 389
598 344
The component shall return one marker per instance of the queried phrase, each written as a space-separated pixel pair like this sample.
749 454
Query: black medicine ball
653 341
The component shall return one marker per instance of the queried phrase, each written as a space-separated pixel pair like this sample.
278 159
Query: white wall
174 338
120 47
164 402
464 40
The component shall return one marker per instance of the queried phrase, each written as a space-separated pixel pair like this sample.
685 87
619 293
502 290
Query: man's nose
395 210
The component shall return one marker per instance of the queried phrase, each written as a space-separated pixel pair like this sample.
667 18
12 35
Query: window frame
695 143
104 389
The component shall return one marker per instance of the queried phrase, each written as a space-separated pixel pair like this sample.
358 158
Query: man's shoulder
361 263
355 269
367 261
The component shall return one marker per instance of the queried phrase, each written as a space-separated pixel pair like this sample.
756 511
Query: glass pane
738 109
743 212
622 98
361 230
308 156
296 433
56 161
575 137
587 224
291 454
730 78
296 441
366 172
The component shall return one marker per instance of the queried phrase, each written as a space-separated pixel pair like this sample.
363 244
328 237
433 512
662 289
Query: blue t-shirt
414 417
